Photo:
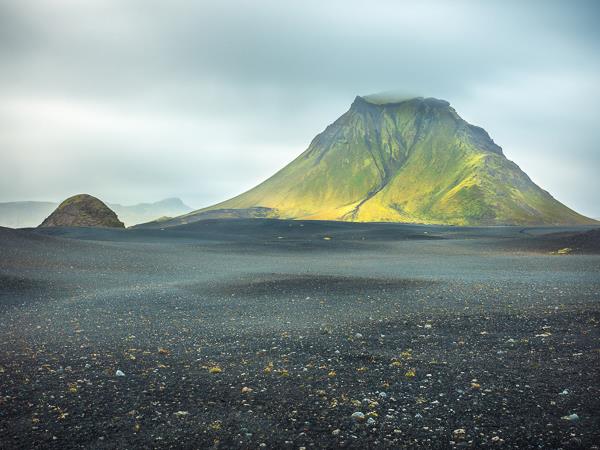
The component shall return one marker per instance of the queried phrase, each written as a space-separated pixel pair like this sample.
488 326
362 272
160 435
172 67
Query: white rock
571 417
358 416
459 433
119 373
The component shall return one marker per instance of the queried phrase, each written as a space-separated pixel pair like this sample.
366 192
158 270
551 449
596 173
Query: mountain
82 210
413 160
24 214
31 214
144 212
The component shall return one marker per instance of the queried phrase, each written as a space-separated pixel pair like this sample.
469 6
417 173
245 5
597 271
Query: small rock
358 416
119 373
459 434
336 432
571 417
371 421
181 413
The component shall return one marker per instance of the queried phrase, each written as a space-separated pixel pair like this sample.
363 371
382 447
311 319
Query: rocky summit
413 160
82 211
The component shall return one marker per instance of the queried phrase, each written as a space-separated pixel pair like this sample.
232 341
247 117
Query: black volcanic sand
259 333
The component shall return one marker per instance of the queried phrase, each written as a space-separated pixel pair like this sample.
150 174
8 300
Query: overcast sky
137 100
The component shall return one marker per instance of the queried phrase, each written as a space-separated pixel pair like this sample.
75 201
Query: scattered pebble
358 416
571 417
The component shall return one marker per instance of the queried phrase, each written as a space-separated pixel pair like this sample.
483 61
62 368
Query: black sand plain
279 334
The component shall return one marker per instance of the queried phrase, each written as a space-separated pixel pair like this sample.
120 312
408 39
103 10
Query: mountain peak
395 100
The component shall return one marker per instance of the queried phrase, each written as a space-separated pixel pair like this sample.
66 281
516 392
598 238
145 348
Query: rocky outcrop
83 211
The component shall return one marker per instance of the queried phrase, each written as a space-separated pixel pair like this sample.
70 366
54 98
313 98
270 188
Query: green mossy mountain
414 160
82 211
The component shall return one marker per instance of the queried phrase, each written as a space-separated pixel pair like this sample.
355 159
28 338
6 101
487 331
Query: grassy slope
413 161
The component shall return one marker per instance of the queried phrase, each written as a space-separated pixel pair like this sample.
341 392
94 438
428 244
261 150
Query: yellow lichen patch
269 368
215 369
410 373
564 251
216 425
407 354
331 374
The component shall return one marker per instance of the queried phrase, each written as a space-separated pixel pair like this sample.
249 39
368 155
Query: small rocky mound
82 211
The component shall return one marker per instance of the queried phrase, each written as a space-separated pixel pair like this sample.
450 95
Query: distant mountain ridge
413 160
144 212
30 213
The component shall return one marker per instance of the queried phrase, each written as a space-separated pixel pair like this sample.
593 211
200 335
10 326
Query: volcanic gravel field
282 334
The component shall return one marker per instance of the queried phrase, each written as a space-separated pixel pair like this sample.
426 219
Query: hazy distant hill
32 214
144 212
25 214
413 160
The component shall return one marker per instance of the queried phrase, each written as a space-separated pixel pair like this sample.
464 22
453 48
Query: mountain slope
408 161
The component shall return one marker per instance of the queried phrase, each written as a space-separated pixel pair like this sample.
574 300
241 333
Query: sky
138 100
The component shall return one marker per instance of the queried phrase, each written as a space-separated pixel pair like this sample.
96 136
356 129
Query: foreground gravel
251 334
